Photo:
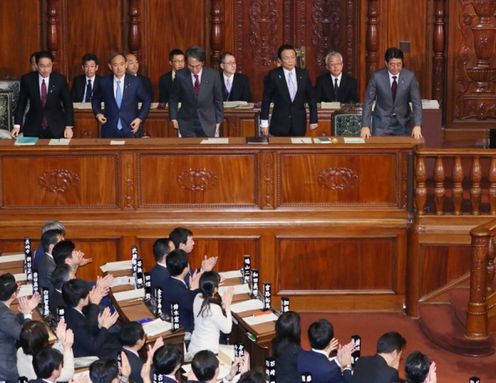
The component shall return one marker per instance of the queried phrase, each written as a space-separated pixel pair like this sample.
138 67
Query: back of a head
180 235
46 362
63 250
417 367
60 275
33 337
205 365
104 370
53 225
389 342
288 331
209 280
50 237
176 261
166 359
131 333
252 376
320 334
73 291
8 286
161 248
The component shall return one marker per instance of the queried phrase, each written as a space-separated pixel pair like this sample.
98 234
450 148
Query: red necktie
44 121
197 85
394 87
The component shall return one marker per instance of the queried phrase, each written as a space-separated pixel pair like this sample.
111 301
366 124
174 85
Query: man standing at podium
392 89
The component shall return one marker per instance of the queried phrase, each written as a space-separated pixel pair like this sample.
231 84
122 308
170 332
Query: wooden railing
455 181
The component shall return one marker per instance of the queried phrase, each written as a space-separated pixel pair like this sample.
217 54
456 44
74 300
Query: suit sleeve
146 101
370 94
21 102
67 102
163 93
174 98
96 100
416 101
312 103
268 93
318 90
218 100
354 91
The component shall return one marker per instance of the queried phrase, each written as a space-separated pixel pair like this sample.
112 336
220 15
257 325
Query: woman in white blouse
212 314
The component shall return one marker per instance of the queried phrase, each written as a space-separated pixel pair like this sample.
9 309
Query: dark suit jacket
165 87
159 276
38 255
177 292
322 369
58 109
88 338
55 301
207 109
147 84
289 118
45 270
136 364
10 329
374 369
347 91
240 88
79 86
133 92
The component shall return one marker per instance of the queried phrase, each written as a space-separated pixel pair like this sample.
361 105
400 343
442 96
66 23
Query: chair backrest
6 110
347 124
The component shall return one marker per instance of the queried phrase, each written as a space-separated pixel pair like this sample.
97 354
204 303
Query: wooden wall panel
71 181
101 250
202 179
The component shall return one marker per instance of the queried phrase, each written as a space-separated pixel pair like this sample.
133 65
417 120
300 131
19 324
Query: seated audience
107 370
235 86
182 239
10 324
132 337
48 365
159 273
167 361
419 369
47 264
65 252
40 251
383 366
60 275
34 338
317 362
286 347
176 61
84 86
90 328
212 314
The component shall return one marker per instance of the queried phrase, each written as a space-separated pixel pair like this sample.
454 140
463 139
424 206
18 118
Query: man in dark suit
336 85
176 61
289 88
132 337
167 362
133 70
47 263
159 274
176 290
199 90
235 86
121 94
50 113
392 89
83 86
317 362
383 366
47 365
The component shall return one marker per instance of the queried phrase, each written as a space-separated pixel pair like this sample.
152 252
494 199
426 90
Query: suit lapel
283 84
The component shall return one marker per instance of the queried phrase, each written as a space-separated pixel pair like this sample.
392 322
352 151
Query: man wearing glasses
236 86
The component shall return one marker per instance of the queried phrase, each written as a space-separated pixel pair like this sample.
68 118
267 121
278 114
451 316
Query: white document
258 319
330 105
252 304
129 294
301 140
115 266
12 258
230 274
59 141
156 327
117 142
238 289
353 140
215 140
234 104
25 291
84 361
21 277
121 281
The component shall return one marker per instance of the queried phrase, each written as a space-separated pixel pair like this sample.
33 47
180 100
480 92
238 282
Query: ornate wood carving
439 188
58 180
420 190
53 21
438 60
263 31
457 185
197 179
475 191
268 182
133 38
337 179
372 37
216 31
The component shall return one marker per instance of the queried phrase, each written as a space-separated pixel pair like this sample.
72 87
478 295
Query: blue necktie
118 100
87 98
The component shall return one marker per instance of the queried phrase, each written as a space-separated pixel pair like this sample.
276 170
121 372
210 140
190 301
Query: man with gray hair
40 251
336 85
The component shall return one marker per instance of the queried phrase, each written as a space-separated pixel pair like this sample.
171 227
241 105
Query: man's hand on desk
135 124
314 126
27 305
365 132
68 133
15 132
417 132
175 124
265 131
101 118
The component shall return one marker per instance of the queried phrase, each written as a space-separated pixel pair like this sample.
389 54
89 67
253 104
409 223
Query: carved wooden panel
60 181
336 264
197 180
327 179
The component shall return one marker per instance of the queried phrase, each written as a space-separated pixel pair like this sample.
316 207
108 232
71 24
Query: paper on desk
263 318
215 140
82 105
234 104
12 258
21 277
59 141
117 142
353 140
252 304
301 140
129 294
231 274
120 281
156 327
115 266
84 361
20 141
25 291
238 289
330 105
227 352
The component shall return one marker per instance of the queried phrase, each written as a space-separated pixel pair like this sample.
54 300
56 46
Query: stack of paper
115 266
12 258
129 294
230 274
430 104
156 327
238 289
25 291
121 281
262 318
21 277
252 304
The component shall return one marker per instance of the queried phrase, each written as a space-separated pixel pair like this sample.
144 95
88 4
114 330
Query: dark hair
113 55
33 337
131 333
167 358
180 235
417 367
223 56
176 261
287 332
196 52
50 237
204 365
175 52
252 376
60 275
32 55
89 57
43 54
393 53
46 362
8 286
209 280
63 250
284 47
104 370
389 342
73 291
320 334
161 248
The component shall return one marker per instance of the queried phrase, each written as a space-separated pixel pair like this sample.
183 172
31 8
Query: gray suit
10 329
204 111
392 118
